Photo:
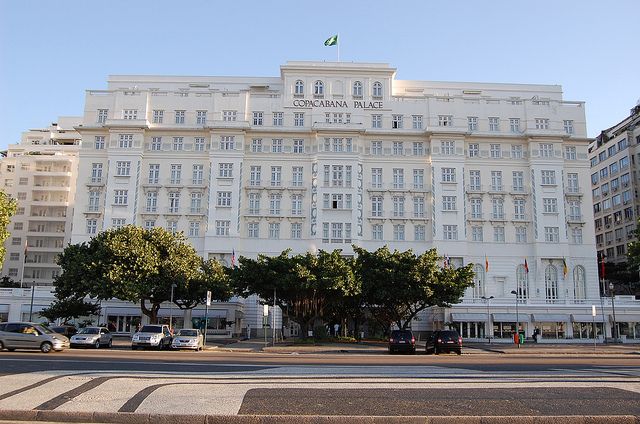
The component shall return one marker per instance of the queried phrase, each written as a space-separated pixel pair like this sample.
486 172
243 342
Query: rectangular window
542 123
398 148
296 204
546 150
194 229
274 204
123 168
222 227
196 203
418 207
96 172
448 203
199 144
154 173
103 115
120 197
398 178
92 226
514 125
496 151
152 201
276 145
568 126
419 232
450 232
445 120
229 115
418 178
398 206
253 230
201 117
172 227
376 206
180 116
225 170
298 146
418 148
548 177
156 143
494 124
552 234
118 223
176 173
255 176
448 147
296 172
224 199
570 153
521 234
376 177
125 141
376 147
298 119
496 181
278 118
474 180
472 123
516 151
474 150
550 205
274 230
416 122
256 145
296 230
276 176
158 116
130 114
178 143
448 175
376 121
99 142
376 232
396 121
398 232
518 181
498 234
258 118
227 142
476 234
174 202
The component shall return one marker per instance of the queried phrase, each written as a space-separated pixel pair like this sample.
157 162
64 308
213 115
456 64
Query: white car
92 337
188 339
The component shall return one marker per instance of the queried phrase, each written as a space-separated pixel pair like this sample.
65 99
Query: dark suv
402 341
444 341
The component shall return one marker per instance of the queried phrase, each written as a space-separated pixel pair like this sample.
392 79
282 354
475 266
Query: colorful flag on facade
332 41
526 266
602 266
447 262
565 268
26 250
233 258
486 263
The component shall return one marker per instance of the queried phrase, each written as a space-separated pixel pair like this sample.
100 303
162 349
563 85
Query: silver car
188 339
92 337
29 335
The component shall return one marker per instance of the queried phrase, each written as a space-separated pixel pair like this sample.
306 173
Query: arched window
299 88
318 88
478 281
357 89
377 89
522 281
551 283
579 283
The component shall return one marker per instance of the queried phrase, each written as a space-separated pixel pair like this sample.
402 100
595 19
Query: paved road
260 383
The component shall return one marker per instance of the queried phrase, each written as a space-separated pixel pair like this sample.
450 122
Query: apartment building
40 174
614 163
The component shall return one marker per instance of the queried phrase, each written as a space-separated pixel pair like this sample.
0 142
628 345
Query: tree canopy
8 207
132 264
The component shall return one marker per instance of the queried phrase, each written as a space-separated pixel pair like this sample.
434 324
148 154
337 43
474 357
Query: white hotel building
332 154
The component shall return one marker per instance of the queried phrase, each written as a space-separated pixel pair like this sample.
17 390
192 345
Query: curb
132 418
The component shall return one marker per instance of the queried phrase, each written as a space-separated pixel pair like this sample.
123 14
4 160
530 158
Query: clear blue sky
51 51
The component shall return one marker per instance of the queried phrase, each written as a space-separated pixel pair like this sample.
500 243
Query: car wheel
134 347
459 352
435 350
11 349
1 346
97 344
46 347
110 344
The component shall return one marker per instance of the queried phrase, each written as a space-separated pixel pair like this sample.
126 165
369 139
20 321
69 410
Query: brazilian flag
332 41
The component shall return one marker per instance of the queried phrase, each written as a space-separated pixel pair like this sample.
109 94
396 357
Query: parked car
152 335
92 337
65 330
444 341
402 341
188 339
29 335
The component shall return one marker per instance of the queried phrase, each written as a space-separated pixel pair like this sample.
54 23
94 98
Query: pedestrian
248 331
336 330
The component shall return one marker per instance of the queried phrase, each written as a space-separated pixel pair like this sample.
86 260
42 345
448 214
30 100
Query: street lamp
487 299
614 333
517 319
173 286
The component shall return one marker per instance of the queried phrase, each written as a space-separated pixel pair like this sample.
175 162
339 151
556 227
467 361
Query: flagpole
338 43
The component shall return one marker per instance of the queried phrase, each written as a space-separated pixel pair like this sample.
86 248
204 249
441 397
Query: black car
65 330
444 341
402 341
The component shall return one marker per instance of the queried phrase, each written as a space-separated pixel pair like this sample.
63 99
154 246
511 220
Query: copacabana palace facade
333 154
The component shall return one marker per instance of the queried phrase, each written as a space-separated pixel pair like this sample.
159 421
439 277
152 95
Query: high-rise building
614 164
40 174
333 154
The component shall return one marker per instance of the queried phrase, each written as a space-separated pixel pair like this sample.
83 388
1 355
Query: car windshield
191 333
44 329
401 334
151 329
89 330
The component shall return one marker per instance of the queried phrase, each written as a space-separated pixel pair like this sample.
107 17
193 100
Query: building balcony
39 218
479 189
127 123
476 217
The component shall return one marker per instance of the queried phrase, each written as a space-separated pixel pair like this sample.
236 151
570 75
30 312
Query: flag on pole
526 266
233 258
486 263
602 266
565 269
446 262
26 250
332 41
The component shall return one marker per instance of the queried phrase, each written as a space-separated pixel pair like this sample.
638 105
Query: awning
509 317
124 311
550 317
626 318
461 317
585 318
213 313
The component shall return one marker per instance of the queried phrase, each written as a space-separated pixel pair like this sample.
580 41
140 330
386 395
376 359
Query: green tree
396 285
7 282
8 208
211 276
69 308
131 264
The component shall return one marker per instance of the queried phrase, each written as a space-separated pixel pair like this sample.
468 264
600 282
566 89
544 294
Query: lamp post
487 299
517 319
614 331
173 286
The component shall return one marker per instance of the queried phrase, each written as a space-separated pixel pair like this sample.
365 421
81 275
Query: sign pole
593 317
206 312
